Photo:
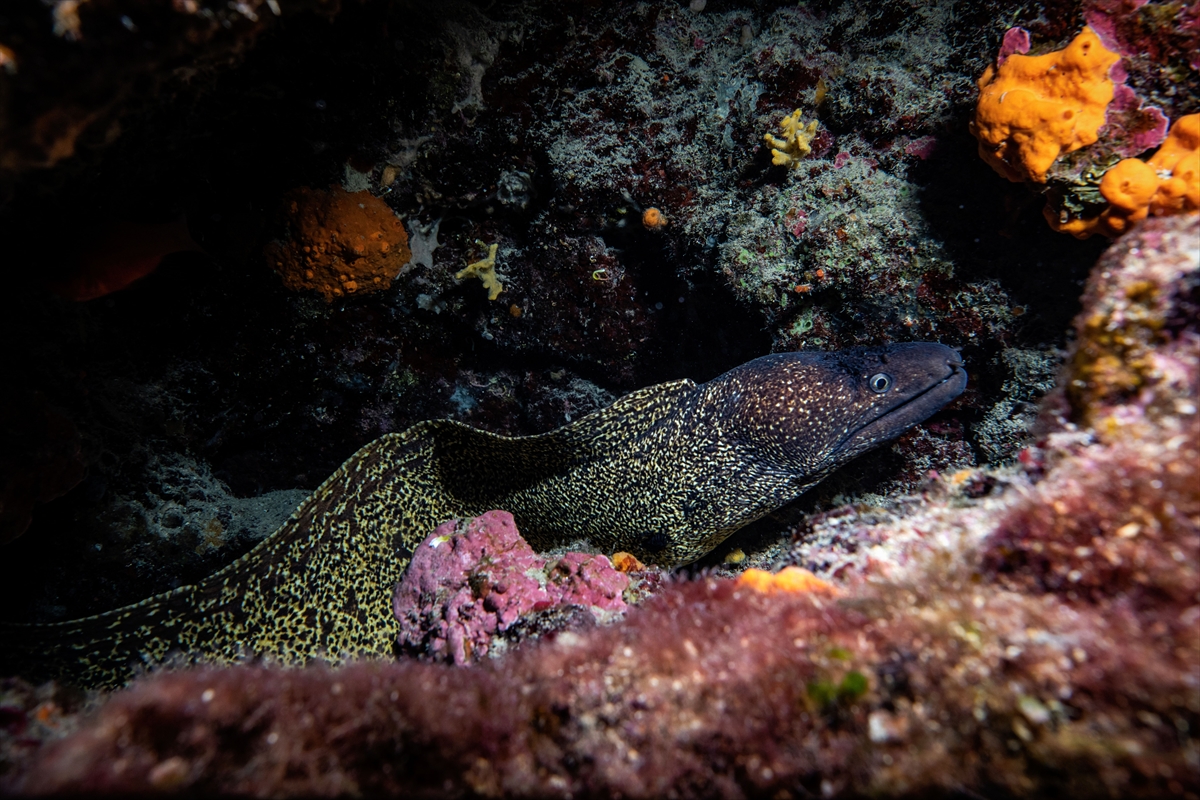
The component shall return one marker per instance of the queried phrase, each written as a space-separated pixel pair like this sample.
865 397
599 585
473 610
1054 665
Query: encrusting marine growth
666 473
474 579
1032 109
340 243
1166 183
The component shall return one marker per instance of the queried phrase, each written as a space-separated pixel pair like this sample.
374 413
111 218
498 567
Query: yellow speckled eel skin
666 473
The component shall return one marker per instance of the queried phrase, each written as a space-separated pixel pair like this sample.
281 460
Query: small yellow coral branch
485 270
796 142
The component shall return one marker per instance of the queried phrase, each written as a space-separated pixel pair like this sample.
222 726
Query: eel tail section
319 587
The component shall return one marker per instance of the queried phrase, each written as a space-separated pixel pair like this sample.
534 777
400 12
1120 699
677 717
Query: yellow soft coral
1168 183
796 142
485 270
1032 109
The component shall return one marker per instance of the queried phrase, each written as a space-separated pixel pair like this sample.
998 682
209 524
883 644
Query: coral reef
474 579
206 394
1029 631
1034 108
340 243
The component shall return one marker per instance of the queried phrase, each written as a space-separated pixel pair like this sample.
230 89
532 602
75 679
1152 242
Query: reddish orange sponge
341 243
1034 108
1168 183
653 219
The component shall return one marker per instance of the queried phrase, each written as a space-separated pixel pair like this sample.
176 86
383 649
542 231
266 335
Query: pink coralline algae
1141 29
472 580
1134 126
922 148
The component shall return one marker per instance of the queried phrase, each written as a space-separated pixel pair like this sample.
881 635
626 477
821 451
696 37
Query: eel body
665 472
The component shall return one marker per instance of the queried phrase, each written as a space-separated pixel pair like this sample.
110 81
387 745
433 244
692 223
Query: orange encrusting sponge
1179 155
1032 109
1167 183
792 580
341 243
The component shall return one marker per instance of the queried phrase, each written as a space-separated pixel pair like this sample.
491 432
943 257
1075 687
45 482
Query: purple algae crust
1016 42
472 580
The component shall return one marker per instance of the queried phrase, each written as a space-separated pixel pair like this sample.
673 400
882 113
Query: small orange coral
1034 108
653 219
789 579
341 243
1168 183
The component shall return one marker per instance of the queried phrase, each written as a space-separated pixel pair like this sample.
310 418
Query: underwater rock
1137 342
1019 632
39 458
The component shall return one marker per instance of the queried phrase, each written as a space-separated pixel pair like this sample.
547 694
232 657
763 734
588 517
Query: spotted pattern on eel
665 472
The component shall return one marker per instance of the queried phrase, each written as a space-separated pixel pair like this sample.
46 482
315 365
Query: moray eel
666 473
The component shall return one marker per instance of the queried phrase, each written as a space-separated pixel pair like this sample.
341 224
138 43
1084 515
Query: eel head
808 413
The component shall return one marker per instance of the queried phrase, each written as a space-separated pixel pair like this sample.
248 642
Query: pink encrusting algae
472 580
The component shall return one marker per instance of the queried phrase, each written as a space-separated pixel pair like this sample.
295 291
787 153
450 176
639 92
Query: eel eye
880 382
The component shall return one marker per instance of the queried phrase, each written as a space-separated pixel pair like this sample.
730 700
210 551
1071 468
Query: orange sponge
341 243
1180 156
1034 108
1168 183
792 580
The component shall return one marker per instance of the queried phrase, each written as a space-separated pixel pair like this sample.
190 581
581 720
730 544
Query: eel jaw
891 423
